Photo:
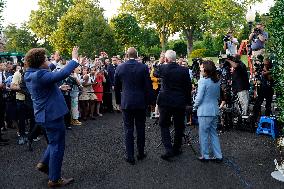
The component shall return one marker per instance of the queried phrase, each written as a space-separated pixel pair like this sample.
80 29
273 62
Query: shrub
276 48
198 53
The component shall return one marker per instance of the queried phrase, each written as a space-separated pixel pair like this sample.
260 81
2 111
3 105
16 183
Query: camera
227 38
223 60
258 65
257 31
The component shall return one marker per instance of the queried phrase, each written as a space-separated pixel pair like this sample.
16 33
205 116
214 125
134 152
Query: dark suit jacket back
111 71
176 86
132 79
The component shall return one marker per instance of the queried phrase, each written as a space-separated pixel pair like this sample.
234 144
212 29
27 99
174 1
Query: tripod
187 137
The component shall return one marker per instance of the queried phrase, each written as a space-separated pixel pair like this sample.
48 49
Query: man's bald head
132 52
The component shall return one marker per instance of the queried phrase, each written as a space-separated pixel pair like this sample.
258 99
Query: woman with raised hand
49 109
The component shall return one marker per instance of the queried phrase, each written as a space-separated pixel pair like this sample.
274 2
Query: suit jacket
176 86
111 71
132 79
208 94
48 101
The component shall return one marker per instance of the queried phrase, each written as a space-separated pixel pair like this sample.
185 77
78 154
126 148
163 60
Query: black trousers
2 113
21 115
67 117
264 93
107 102
178 115
131 118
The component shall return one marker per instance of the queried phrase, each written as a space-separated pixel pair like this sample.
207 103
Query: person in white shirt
230 44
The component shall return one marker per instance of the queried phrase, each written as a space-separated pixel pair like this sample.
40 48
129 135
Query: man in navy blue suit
174 96
111 71
132 79
49 109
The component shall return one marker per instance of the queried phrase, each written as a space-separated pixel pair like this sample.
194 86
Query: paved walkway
94 155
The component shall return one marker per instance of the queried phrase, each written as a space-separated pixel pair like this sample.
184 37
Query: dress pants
115 100
267 94
54 153
21 115
137 117
207 131
178 114
67 117
2 113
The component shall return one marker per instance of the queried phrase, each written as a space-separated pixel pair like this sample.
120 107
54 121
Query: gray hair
171 55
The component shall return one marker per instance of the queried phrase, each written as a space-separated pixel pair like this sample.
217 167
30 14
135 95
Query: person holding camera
258 39
240 83
265 90
230 44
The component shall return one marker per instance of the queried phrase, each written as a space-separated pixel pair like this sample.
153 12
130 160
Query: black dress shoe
177 152
69 128
42 168
30 148
130 161
218 160
167 156
2 140
141 157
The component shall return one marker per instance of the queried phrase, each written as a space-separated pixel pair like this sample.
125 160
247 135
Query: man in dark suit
133 79
2 103
111 71
49 109
174 96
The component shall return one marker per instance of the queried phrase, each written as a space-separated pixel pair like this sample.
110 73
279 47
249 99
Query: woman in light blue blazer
206 103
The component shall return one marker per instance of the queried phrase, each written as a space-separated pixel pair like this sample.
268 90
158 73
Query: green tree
179 46
83 25
19 39
188 20
149 37
2 6
189 16
276 46
126 30
149 43
159 13
43 21
257 17
208 44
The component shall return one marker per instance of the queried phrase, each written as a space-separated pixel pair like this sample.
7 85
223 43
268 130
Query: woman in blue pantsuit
206 103
49 109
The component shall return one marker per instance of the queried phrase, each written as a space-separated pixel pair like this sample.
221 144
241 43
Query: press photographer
258 39
230 44
240 83
265 90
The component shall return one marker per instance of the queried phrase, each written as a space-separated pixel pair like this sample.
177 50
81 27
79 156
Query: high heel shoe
202 159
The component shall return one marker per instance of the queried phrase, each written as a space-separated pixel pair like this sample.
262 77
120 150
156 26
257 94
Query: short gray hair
171 55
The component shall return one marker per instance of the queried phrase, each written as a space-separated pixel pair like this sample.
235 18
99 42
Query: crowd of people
88 91
48 95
